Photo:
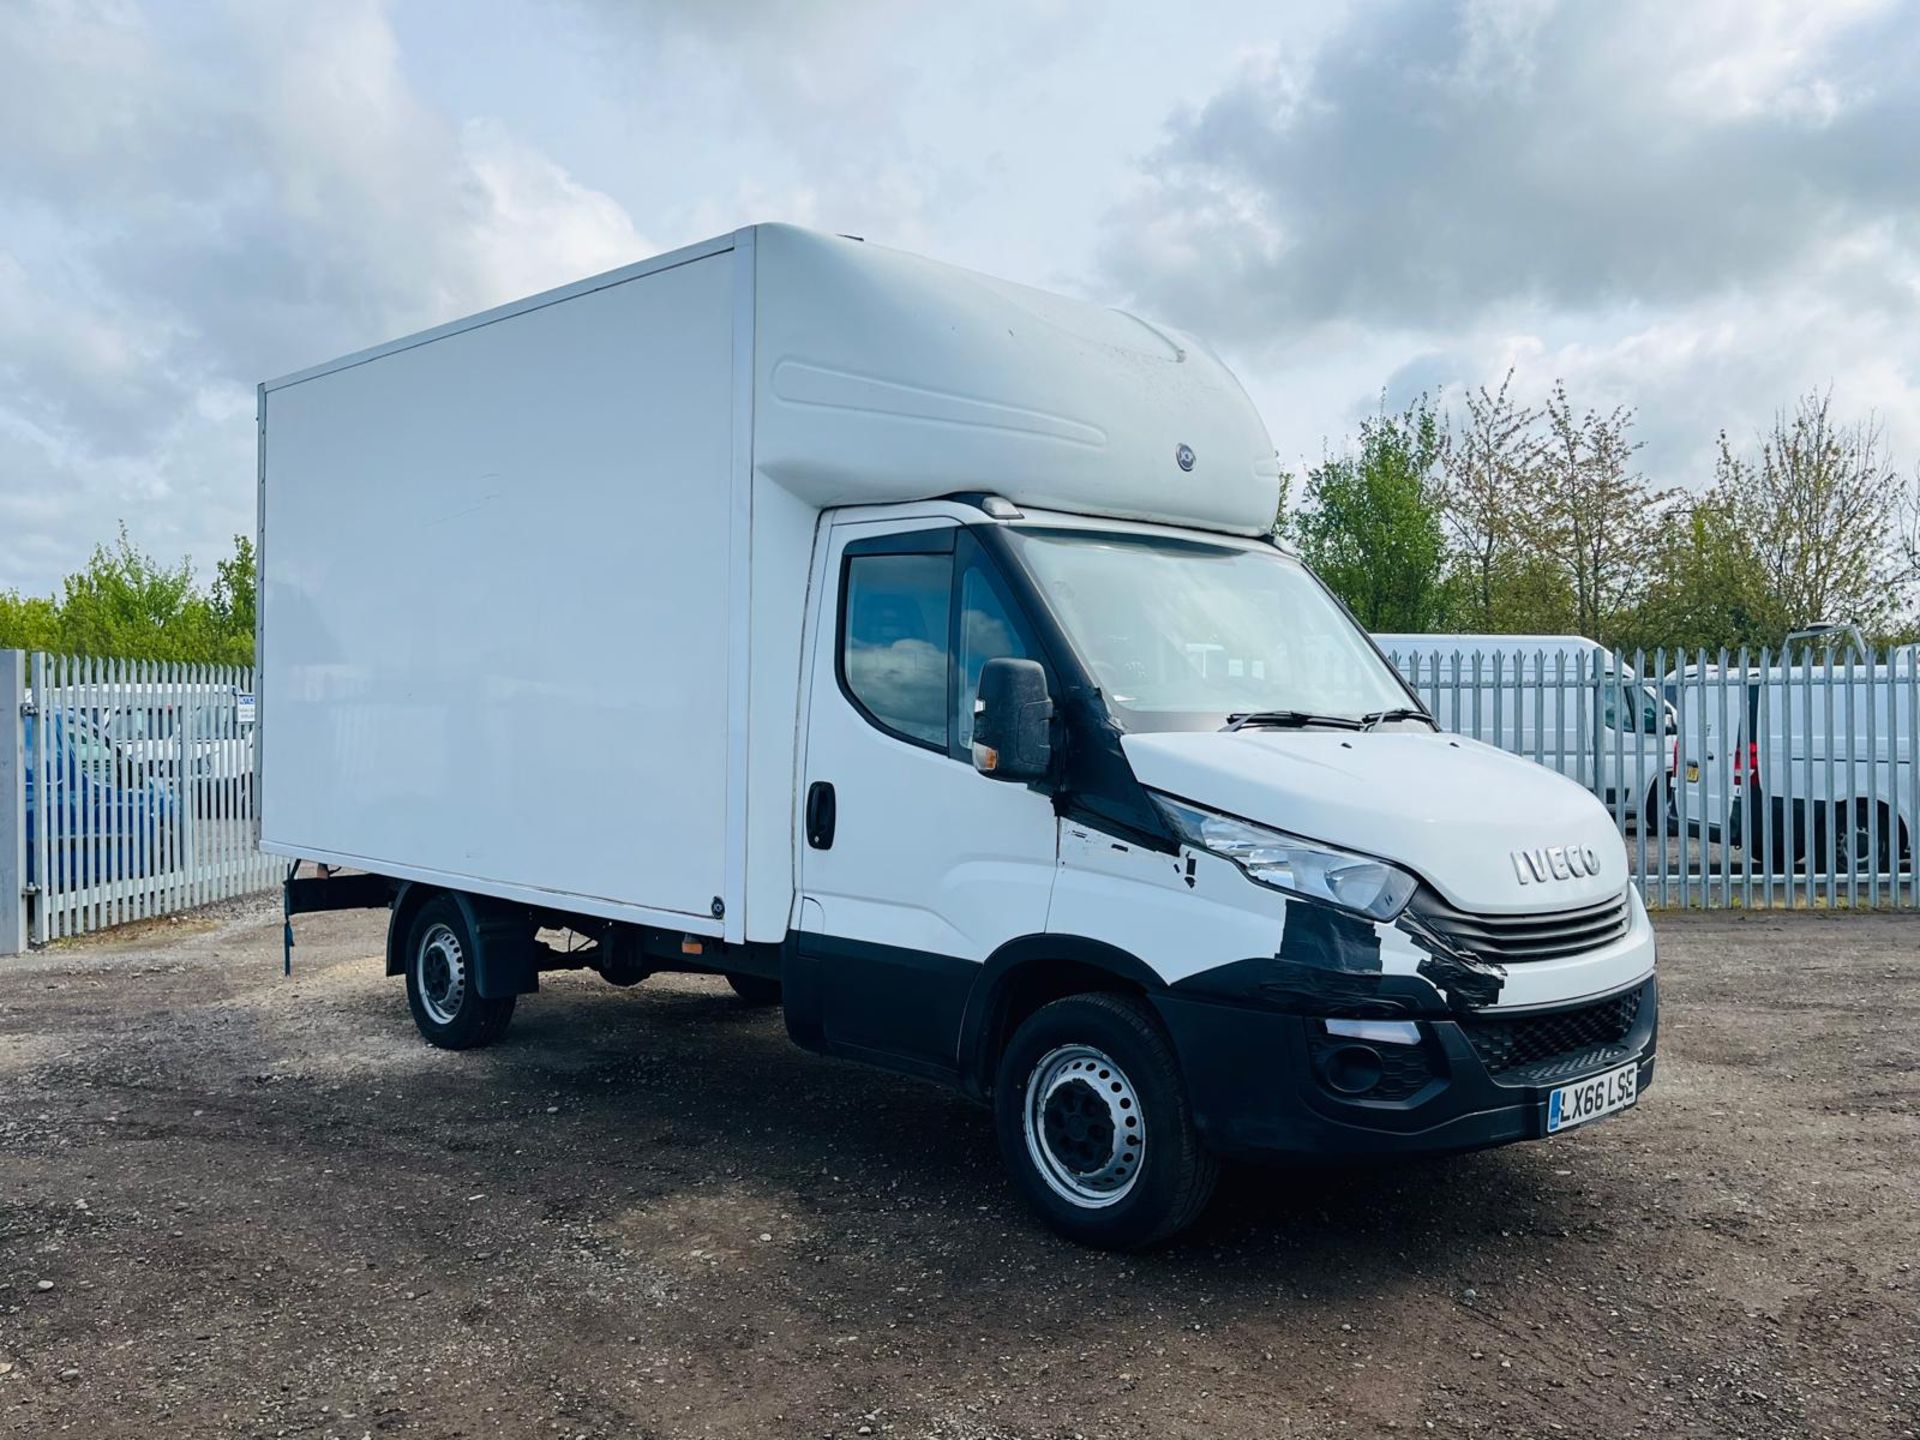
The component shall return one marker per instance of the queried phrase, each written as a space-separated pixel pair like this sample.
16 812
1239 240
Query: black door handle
820 815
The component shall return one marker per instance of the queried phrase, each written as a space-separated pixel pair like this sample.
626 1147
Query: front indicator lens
1379 1032
1307 868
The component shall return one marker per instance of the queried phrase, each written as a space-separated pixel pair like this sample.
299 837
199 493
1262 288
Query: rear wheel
1863 841
442 989
1095 1126
755 989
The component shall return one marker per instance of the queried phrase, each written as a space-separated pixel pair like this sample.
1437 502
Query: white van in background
1808 765
194 738
1562 701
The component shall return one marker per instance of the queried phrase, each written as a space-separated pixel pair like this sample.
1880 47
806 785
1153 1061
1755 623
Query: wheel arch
1890 822
407 900
503 962
1031 971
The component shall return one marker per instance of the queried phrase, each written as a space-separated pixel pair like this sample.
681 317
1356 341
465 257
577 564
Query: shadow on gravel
673 1087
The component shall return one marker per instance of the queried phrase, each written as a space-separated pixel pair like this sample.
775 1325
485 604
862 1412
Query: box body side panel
496 595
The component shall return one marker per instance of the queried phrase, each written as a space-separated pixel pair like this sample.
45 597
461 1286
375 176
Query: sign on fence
133 787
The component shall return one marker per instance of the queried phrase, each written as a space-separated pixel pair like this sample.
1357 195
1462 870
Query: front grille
1516 939
1572 1040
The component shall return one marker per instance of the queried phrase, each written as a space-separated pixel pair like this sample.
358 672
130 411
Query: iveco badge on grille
1555 862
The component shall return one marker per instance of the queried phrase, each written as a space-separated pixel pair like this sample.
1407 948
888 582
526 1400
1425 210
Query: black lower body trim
309 894
884 1004
1261 1084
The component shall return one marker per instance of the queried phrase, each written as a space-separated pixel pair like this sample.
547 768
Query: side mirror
1012 721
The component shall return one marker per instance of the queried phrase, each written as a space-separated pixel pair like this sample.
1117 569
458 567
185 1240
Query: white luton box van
911 647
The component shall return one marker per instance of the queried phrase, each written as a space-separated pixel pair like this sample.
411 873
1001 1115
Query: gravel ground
232 1204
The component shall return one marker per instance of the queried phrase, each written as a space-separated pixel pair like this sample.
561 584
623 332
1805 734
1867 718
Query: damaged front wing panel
1331 963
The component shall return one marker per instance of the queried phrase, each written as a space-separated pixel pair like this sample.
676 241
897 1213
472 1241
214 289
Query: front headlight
1300 867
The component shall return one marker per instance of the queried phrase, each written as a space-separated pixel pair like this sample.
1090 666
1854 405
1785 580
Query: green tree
1371 525
1709 588
1600 520
127 605
1822 506
28 622
1530 594
1487 505
232 600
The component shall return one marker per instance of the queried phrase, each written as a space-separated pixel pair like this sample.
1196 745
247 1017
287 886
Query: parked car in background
196 740
1561 700
103 821
1813 759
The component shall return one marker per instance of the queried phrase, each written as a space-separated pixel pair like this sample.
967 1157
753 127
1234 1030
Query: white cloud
206 209
1697 211
534 226
1436 159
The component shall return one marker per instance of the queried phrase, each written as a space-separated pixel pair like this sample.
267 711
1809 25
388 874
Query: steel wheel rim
1085 1133
1863 847
441 973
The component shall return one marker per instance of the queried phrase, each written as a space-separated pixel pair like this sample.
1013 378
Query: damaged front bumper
1268 1075
1267 1083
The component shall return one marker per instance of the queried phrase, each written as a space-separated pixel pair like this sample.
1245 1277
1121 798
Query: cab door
915 867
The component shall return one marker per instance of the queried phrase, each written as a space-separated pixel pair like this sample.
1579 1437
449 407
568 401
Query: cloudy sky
1696 209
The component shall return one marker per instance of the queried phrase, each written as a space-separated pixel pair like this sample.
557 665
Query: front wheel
442 990
1095 1126
1653 810
755 989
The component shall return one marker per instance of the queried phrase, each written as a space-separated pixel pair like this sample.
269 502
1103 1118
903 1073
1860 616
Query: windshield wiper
1381 717
1289 720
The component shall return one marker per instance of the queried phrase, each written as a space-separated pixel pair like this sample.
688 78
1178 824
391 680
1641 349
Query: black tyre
441 988
1653 810
1095 1126
755 989
1863 839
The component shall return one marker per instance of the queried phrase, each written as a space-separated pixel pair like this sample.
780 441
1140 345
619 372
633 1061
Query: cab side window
894 653
1623 710
990 629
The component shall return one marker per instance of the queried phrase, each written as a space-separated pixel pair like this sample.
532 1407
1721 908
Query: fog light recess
1352 1069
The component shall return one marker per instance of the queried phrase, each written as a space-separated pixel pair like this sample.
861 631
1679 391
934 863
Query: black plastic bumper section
1261 1083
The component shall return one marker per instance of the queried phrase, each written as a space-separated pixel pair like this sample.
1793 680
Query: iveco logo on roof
1183 456
1555 862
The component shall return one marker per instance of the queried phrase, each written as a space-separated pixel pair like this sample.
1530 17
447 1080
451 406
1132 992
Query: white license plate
1593 1097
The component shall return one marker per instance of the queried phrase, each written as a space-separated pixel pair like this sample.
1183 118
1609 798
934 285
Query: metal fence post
13 802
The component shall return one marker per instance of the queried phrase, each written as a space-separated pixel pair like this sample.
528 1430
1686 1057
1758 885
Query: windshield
1180 634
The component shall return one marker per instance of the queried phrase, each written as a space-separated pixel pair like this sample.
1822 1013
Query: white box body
534 584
